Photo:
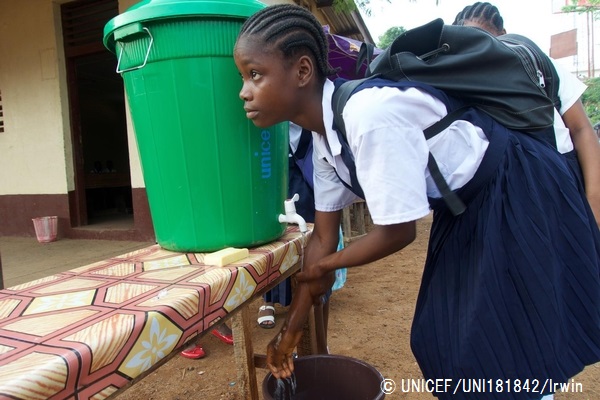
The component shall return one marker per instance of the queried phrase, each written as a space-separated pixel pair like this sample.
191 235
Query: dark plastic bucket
329 377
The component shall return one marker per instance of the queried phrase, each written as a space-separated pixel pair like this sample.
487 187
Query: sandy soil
370 320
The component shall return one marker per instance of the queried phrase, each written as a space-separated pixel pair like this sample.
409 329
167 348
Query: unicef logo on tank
264 154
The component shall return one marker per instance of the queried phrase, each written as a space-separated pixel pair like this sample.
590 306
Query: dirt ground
370 319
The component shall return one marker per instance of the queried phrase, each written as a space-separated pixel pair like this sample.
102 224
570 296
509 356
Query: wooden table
90 332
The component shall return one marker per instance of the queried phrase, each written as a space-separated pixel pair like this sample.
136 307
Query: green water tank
213 179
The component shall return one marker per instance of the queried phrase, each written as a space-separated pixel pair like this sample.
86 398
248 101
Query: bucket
45 228
213 179
321 377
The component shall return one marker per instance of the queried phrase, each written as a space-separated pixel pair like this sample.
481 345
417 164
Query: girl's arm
586 144
380 242
317 276
323 241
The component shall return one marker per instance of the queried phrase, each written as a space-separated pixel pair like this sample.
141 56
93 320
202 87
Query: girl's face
269 86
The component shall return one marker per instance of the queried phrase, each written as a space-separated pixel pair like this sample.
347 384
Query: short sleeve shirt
384 128
570 90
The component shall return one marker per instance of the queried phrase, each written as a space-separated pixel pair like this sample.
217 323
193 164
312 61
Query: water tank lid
149 10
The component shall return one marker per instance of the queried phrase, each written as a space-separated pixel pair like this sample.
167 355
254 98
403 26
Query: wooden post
346 224
308 342
355 215
244 354
359 216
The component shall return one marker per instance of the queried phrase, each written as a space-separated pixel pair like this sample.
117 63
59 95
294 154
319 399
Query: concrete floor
24 259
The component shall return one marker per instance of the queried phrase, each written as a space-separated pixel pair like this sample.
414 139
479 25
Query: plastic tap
291 216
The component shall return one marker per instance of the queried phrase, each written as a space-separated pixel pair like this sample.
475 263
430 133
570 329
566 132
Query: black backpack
507 77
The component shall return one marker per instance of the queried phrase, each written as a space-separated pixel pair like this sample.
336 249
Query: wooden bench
93 331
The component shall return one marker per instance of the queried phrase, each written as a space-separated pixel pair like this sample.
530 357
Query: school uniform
570 89
511 287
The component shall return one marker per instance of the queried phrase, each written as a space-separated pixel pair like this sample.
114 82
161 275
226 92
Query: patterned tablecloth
87 332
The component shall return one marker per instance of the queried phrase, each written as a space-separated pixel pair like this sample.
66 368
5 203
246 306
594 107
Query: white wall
32 147
137 179
35 148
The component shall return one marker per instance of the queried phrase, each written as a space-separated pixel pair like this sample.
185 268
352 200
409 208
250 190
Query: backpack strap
348 159
453 202
341 96
303 144
365 54
445 122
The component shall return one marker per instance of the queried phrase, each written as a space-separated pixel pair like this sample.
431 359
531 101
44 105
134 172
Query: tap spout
291 216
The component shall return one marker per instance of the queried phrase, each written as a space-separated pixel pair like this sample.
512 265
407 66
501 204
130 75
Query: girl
511 287
574 134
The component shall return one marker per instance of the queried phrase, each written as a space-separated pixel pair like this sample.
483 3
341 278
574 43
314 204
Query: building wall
37 138
35 145
36 162
137 179
36 153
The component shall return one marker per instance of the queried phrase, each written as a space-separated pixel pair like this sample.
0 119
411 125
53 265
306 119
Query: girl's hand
280 359
317 281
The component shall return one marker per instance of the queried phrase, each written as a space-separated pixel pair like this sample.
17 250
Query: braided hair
291 29
484 14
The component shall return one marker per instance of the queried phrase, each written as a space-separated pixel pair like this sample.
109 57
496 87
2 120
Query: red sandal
194 353
227 339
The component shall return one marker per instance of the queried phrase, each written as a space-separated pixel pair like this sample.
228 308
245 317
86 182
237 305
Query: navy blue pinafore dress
511 288
510 296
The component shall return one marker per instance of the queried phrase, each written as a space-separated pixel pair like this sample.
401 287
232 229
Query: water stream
286 388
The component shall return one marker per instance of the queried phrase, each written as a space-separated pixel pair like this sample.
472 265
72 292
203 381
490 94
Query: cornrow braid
482 12
291 29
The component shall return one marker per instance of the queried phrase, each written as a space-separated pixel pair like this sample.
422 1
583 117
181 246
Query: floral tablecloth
87 332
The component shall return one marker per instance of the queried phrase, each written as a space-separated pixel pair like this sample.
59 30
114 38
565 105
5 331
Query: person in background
511 286
300 182
97 167
575 136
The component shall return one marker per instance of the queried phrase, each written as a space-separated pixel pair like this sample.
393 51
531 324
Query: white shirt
570 90
384 127
294 135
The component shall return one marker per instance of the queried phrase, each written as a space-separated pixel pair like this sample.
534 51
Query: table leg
244 354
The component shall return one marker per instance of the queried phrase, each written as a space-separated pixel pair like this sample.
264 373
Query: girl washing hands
511 287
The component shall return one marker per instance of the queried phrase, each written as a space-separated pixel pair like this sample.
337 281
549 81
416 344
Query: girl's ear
305 70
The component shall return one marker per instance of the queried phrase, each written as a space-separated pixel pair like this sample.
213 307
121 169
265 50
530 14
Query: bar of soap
225 256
